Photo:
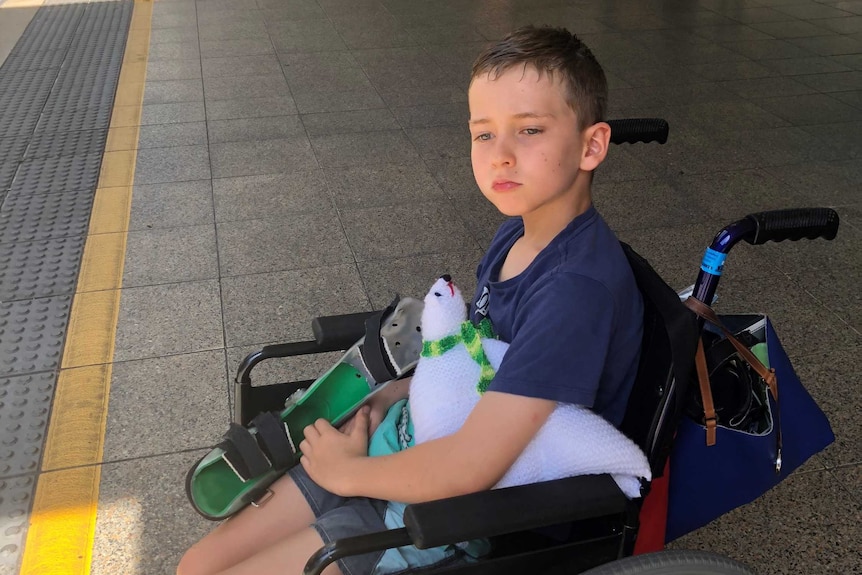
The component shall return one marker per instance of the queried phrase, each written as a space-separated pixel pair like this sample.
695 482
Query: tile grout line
63 517
230 401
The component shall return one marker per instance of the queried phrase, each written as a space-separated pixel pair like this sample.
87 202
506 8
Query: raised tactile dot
7 174
45 216
8 550
12 149
39 269
13 517
45 347
21 450
80 119
57 174
48 145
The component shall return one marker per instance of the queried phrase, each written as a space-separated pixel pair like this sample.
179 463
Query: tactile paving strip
12 149
14 509
78 95
65 120
31 334
56 95
39 269
23 82
65 143
25 403
14 105
52 28
38 61
27 218
98 63
57 174
38 87
7 172
19 123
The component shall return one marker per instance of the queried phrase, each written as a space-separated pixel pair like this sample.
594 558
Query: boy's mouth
504 185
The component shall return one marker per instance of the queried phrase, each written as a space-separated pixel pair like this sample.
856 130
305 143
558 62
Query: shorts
339 517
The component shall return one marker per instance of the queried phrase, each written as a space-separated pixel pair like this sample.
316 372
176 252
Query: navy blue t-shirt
573 318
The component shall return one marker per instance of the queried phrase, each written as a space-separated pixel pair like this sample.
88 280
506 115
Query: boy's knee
192 563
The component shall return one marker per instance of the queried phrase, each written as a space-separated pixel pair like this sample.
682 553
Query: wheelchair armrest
513 509
486 514
340 331
357 545
243 372
331 333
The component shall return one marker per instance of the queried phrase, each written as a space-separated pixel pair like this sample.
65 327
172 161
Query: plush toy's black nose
446 278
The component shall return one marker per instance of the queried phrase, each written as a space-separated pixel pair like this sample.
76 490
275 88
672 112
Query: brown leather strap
768 375
709 417
707 313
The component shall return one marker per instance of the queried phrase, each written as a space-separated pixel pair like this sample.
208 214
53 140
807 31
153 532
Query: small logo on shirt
482 302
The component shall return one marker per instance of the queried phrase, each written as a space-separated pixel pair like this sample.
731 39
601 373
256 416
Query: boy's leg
250 531
287 557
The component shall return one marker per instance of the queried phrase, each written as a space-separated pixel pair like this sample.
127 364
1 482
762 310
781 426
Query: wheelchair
524 523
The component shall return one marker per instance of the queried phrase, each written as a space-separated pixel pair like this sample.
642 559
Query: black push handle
795 224
634 130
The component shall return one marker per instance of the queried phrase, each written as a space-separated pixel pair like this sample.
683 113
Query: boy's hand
377 411
378 406
328 454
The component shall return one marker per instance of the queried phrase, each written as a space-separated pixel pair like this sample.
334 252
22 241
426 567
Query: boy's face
527 148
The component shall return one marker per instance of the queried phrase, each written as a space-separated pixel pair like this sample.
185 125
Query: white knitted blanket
574 440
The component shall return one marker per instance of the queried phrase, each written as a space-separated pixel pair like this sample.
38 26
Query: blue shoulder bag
762 425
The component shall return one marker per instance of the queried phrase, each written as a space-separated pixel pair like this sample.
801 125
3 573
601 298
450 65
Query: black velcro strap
243 454
273 440
373 355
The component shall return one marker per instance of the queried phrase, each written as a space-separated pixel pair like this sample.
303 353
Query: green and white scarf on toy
471 336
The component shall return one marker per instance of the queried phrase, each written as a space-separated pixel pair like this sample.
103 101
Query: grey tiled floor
304 157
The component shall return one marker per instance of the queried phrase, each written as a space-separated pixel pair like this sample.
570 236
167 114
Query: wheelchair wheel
673 563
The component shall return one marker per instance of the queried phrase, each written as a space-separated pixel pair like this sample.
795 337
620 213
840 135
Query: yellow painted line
128 95
118 168
63 519
125 116
60 537
92 313
110 201
103 259
120 139
71 438
22 3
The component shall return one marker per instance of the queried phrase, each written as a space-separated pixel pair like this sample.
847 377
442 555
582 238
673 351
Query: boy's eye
482 137
532 131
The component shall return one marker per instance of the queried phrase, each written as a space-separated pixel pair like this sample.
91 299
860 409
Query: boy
556 286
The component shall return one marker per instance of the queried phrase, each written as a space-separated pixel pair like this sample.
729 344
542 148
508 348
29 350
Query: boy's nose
503 154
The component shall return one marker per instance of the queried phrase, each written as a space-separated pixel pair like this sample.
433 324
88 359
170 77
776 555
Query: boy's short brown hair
558 53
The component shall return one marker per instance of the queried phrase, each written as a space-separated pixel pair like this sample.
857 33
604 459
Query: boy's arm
473 459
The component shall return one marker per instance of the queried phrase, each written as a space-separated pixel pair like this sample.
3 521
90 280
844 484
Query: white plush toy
458 361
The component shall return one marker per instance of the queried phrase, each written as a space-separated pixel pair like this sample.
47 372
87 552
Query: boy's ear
597 138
